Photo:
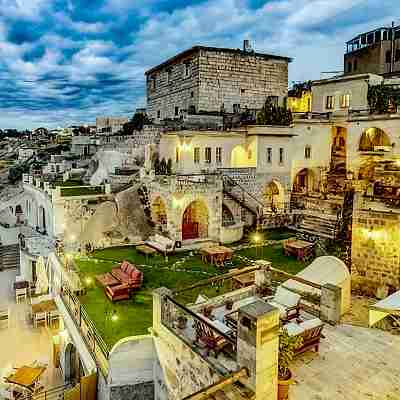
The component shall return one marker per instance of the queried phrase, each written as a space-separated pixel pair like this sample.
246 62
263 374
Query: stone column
331 303
158 296
258 347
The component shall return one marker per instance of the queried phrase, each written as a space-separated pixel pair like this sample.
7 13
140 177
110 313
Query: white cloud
80 26
24 9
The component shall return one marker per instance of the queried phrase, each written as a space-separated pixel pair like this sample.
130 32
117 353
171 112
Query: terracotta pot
283 387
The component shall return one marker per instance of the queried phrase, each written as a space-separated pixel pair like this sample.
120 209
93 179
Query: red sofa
119 292
128 275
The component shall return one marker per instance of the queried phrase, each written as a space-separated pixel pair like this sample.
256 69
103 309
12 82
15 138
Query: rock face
117 221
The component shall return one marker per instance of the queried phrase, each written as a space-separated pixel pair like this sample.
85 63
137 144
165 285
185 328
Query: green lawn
179 271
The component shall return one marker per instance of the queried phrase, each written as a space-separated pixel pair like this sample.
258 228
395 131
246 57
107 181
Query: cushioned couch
310 331
287 302
161 243
128 275
119 292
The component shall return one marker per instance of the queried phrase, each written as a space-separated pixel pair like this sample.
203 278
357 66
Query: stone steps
318 225
10 258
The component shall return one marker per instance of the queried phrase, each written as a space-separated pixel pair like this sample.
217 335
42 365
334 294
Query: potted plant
207 311
287 347
229 304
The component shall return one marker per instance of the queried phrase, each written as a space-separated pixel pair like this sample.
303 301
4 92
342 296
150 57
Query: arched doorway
159 213
195 221
374 139
273 196
339 146
227 217
71 362
304 181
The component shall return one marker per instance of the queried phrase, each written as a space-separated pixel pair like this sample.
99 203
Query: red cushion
124 266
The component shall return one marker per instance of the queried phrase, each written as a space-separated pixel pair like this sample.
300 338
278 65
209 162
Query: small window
345 101
169 75
397 55
397 35
236 108
196 155
176 111
188 69
388 57
242 91
330 102
192 94
377 36
281 155
269 155
349 66
355 66
307 152
385 35
370 38
218 155
153 83
207 155
364 39
249 154
177 154
158 114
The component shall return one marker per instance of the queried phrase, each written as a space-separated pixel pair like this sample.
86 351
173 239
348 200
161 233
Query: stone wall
375 250
142 391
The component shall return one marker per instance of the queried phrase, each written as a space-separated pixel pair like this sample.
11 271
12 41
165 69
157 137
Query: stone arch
373 138
304 181
274 195
195 221
241 157
71 362
339 147
159 212
228 218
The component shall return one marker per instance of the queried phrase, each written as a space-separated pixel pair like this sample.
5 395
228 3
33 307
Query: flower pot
283 387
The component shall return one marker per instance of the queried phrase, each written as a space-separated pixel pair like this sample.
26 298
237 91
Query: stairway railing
247 200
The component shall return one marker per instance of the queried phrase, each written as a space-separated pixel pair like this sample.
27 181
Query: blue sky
65 61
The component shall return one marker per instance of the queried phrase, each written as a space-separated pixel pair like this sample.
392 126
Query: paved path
20 343
354 363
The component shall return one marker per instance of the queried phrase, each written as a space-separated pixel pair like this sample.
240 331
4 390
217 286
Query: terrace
134 316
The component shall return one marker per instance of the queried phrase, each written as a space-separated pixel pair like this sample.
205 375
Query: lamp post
256 239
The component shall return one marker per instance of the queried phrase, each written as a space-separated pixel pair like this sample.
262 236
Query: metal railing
90 334
56 393
204 329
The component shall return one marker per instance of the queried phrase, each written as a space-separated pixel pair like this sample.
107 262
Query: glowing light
72 238
88 281
257 238
114 316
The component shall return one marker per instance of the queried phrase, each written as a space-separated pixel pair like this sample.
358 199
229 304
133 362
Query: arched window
388 57
355 65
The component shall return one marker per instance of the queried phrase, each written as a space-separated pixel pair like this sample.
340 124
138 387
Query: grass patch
176 272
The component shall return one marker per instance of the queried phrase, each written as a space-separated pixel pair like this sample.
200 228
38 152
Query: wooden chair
206 335
4 317
53 316
21 294
40 318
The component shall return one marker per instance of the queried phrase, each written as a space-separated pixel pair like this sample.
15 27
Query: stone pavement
354 363
20 343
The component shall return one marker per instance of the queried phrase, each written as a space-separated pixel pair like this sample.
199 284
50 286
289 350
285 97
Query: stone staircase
9 257
321 225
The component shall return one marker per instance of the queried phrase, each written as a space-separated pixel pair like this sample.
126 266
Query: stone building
376 52
209 79
110 125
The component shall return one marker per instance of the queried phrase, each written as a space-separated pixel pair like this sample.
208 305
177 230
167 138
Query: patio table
216 255
44 306
26 376
243 280
298 248
21 285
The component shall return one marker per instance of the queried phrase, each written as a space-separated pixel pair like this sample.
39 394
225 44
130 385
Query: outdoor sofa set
121 281
288 304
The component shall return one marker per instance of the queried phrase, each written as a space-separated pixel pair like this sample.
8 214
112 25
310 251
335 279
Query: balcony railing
95 343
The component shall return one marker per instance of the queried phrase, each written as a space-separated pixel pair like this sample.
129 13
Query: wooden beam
210 390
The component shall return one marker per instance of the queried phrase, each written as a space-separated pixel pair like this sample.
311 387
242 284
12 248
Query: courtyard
117 320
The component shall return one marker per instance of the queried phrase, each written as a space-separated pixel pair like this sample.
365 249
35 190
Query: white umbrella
42 283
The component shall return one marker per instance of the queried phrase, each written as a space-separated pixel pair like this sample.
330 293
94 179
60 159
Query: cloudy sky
66 61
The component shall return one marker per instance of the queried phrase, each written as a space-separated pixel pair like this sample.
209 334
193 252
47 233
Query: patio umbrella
42 283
